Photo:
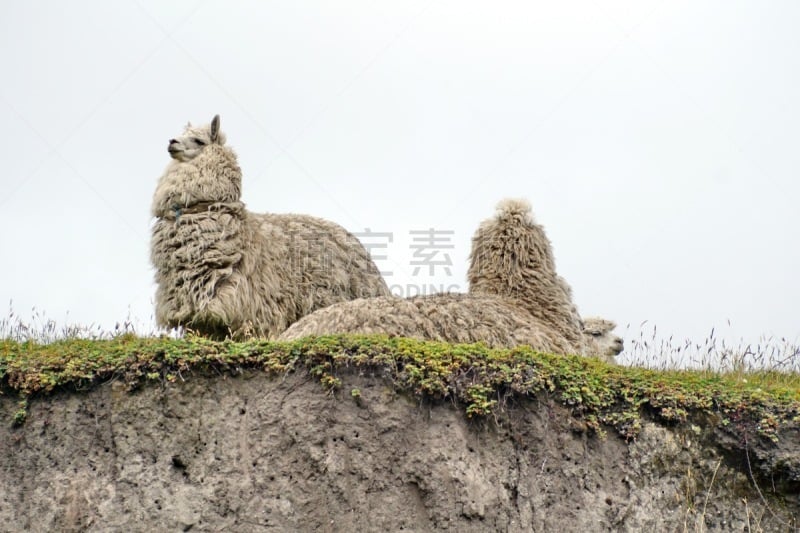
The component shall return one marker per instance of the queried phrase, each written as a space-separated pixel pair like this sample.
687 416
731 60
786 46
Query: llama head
202 170
599 339
194 140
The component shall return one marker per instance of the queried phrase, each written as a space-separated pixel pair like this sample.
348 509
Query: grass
770 362
37 357
480 379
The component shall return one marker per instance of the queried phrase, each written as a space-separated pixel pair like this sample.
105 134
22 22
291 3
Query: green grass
756 385
479 379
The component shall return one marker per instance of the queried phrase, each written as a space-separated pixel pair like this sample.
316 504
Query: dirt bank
255 453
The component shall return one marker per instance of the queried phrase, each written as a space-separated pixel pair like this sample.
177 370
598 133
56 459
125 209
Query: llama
448 317
454 317
504 308
224 271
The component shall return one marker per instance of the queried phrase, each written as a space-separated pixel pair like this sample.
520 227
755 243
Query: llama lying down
516 298
451 317
224 271
448 317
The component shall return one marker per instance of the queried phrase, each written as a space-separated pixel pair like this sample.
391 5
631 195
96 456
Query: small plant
479 402
21 414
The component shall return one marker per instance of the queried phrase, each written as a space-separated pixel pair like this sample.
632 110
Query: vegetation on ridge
479 378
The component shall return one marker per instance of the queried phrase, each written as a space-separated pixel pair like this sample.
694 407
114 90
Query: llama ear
215 128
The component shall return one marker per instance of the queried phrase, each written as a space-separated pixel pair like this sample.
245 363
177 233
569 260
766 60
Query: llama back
457 318
324 262
387 315
495 320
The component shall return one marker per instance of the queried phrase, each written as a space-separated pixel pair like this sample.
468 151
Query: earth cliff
192 435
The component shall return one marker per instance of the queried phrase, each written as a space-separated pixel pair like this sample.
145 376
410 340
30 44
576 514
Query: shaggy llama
222 270
452 317
501 320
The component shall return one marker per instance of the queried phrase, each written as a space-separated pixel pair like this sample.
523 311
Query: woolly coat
452 317
222 270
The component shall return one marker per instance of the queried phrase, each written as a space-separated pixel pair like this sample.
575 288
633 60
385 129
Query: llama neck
177 211
212 177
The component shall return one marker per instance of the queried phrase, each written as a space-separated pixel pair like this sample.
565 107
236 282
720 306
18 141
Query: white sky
657 141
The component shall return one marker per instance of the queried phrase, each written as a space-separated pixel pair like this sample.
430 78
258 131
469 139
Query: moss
478 378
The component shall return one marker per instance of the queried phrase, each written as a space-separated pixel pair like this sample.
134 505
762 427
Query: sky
656 141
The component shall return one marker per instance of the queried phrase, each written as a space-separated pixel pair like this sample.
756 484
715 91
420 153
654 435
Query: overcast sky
656 141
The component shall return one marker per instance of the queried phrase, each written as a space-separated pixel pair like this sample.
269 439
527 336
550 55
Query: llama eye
201 142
